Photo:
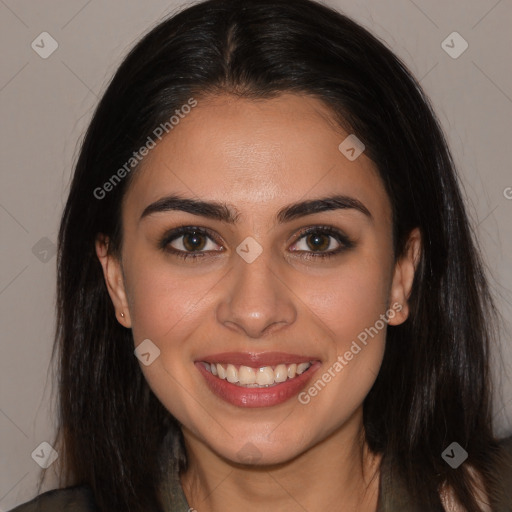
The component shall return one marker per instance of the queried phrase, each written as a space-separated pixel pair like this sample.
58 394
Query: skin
260 157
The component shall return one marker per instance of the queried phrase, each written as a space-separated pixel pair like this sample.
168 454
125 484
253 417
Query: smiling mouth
261 377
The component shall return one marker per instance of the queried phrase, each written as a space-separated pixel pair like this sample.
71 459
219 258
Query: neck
338 473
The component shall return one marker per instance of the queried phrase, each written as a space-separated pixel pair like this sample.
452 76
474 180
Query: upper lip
256 360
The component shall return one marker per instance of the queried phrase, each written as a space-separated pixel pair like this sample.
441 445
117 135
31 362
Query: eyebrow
225 213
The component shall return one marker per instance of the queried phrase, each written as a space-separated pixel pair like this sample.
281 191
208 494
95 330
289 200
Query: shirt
393 494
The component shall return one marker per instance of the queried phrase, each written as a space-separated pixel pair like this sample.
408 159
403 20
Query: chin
257 453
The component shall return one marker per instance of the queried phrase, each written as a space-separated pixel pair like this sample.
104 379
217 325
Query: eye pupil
193 241
315 241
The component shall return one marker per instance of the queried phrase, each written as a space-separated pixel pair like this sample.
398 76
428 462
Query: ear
113 274
403 278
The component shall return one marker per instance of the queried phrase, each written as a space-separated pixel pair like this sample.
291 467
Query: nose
256 300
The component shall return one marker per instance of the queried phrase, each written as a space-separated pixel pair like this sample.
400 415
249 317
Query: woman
269 295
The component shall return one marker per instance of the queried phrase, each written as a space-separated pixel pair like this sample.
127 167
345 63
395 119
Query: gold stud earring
122 314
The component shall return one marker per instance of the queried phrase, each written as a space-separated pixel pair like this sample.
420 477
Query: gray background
46 104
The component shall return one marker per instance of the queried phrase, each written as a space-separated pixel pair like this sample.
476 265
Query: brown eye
193 241
322 242
189 242
318 242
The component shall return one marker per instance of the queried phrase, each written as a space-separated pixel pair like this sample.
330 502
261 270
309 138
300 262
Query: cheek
349 306
168 309
351 300
163 301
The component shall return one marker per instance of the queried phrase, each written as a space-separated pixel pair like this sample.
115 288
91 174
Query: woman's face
291 271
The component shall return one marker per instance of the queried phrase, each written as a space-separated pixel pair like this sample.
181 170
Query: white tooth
221 371
265 376
246 375
291 370
231 374
280 373
213 368
302 367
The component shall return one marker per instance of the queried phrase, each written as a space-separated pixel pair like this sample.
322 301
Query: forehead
256 154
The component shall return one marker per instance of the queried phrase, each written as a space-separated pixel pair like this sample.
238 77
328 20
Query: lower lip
257 397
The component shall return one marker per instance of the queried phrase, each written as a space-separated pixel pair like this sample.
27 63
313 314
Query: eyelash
174 234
